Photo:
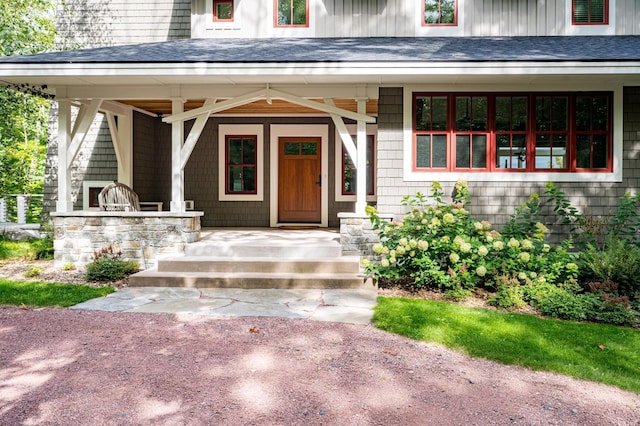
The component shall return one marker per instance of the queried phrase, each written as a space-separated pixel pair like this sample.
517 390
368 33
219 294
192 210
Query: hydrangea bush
439 244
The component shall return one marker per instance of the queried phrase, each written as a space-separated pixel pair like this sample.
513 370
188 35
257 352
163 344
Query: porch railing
20 208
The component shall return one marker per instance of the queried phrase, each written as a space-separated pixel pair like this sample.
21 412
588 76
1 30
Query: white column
65 203
177 173
125 139
361 164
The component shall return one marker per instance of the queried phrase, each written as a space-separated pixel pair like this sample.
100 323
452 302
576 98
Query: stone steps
278 262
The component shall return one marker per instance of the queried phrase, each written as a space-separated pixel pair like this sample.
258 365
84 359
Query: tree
26 26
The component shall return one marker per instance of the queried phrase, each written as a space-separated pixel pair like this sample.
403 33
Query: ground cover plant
440 245
31 293
108 264
41 249
597 352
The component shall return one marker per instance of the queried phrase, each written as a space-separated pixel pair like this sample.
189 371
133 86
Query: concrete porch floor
279 236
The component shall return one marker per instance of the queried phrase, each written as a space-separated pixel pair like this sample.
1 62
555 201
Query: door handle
319 182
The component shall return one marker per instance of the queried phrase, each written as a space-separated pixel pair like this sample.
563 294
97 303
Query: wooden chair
118 197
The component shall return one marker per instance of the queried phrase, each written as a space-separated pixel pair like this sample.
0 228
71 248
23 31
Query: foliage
109 265
27 27
34 272
41 249
597 352
47 294
441 245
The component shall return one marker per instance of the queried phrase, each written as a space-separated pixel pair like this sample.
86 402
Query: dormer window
291 13
440 12
223 10
590 12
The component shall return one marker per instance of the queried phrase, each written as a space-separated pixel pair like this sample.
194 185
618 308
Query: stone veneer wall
357 235
141 236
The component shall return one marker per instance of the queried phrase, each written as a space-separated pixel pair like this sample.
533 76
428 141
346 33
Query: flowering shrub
440 245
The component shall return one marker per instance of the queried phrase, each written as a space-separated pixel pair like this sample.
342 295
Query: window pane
447 11
291 148
600 113
423 113
519 114
249 151
299 12
559 152
596 11
423 151
309 148
583 113
248 178
543 110
235 179
519 143
503 151
234 150
559 114
463 154
463 113
503 114
581 11
349 180
439 113
224 11
284 12
479 110
439 151
479 150
439 11
600 152
543 152
583 151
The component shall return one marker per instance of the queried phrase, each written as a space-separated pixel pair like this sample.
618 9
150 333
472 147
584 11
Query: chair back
118 197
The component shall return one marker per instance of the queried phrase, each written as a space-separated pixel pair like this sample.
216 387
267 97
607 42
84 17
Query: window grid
241 164
590 12
291 13
548 130
440 13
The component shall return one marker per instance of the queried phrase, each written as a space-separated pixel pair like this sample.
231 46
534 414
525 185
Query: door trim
277 131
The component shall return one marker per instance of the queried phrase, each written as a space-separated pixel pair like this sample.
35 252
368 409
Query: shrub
68 266
618 263
33 272
558 302
42 248
440 245
108 265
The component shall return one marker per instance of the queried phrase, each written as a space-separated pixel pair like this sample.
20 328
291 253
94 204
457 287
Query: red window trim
455 17
275 16
227 164
370 167
606 15
530 133
215 10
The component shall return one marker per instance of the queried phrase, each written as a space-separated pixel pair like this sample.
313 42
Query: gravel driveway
65 367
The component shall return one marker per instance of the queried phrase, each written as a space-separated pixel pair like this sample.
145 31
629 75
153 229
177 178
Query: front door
299 179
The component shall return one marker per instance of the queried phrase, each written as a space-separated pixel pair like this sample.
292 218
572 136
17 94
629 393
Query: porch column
65 202
177 173
361 164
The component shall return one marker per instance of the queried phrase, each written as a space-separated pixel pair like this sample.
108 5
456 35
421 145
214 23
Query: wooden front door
299 179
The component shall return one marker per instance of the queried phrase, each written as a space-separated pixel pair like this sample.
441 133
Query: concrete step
266 249
337 265
249 280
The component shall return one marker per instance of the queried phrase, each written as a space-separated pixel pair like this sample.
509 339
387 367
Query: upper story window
440 12
559 132
590 12
291 13
223 10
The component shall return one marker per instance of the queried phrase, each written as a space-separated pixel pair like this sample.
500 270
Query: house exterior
254 111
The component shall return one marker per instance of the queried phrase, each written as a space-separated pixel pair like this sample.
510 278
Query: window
440 12
590 12
241 164
560 132
349 171
291 13
223 10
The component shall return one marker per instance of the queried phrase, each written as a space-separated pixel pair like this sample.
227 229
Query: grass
47 294
15 249
596 352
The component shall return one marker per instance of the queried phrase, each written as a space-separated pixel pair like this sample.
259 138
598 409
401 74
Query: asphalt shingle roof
377 49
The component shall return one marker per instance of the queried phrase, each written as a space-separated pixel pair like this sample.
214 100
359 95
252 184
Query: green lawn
47 294
597 352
